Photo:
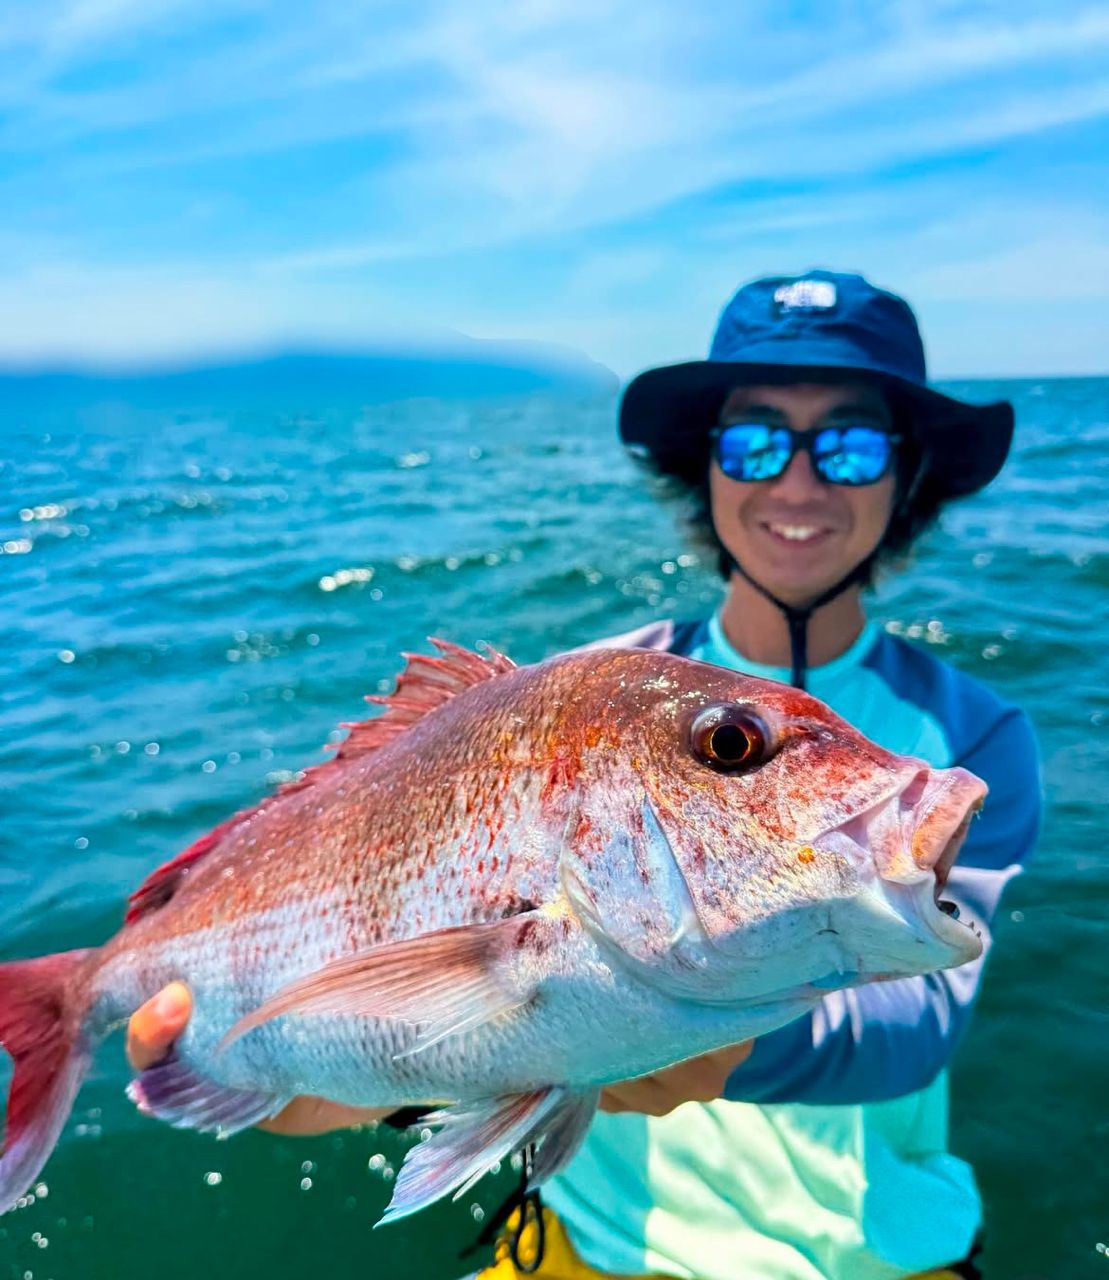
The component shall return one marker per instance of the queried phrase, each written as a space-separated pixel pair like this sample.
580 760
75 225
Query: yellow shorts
560 1262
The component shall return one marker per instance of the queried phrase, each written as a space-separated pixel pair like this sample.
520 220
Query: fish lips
889 930
901 851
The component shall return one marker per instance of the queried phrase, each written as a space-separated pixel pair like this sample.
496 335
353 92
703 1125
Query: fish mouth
917 828
898 854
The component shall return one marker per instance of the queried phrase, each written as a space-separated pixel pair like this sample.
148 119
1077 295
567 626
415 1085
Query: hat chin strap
797 616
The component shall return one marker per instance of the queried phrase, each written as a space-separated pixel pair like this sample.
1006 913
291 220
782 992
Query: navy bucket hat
824 326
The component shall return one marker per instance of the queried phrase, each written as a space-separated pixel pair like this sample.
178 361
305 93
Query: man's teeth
795 532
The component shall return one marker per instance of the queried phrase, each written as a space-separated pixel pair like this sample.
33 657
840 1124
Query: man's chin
796 572
790 587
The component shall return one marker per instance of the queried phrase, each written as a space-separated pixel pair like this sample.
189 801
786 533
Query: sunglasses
851 454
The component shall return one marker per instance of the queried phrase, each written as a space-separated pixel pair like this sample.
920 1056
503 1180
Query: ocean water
191 598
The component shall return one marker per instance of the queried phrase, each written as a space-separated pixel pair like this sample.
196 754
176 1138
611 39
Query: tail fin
41 1030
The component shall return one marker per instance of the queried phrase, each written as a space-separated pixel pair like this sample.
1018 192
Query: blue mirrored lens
752 451
852 455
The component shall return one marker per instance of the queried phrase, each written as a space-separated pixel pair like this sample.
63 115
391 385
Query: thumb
157 1024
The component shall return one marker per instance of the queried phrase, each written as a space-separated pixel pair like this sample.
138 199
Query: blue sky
183 178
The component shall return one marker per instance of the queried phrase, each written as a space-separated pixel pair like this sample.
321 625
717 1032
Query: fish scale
513 887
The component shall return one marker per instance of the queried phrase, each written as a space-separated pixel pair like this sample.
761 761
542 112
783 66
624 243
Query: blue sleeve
885 1039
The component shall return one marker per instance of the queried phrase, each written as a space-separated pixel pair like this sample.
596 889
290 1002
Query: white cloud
606 130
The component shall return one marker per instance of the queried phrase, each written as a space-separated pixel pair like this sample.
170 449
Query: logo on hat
806 295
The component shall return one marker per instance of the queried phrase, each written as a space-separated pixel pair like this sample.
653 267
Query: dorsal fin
425 683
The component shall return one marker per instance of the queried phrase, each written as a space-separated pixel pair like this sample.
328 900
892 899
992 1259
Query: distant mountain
296 380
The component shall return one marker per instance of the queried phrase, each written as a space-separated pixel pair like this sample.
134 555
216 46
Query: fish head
758 845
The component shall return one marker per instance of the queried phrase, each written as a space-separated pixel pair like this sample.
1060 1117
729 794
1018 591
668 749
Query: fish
516 885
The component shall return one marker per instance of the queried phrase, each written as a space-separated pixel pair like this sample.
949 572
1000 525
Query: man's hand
697 1080
157 1024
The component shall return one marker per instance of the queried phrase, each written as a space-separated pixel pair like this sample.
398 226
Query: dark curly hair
918 501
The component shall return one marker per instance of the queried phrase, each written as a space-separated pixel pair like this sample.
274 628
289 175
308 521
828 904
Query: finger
307 1115
702 1079
156 1024
648 1096
729 1058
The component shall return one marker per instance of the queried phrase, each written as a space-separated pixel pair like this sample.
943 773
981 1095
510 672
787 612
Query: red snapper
517 885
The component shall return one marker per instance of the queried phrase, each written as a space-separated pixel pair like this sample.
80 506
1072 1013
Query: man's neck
757 629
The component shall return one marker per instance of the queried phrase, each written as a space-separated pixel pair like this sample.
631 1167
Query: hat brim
668 412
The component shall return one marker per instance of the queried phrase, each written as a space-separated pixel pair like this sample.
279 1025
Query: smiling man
814 451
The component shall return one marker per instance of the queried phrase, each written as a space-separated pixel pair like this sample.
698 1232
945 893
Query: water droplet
306 1184
1016 916
312 639
42 1190
66 655
417 458
152 748
123 748
377 1162
209 766
233 757
82 842
213 1179
309 1166
477 1213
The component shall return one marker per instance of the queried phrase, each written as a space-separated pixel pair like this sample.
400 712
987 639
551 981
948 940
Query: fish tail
41 1008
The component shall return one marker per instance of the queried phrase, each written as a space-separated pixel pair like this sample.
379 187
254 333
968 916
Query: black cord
528 1202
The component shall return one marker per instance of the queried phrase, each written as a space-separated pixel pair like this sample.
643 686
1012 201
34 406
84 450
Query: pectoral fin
448 981
474 1136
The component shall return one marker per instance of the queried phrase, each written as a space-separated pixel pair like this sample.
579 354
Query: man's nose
798 483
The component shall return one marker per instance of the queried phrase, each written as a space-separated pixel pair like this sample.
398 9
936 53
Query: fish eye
730 739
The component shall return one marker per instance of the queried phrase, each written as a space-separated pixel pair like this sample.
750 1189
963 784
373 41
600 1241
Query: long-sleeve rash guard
827 1158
